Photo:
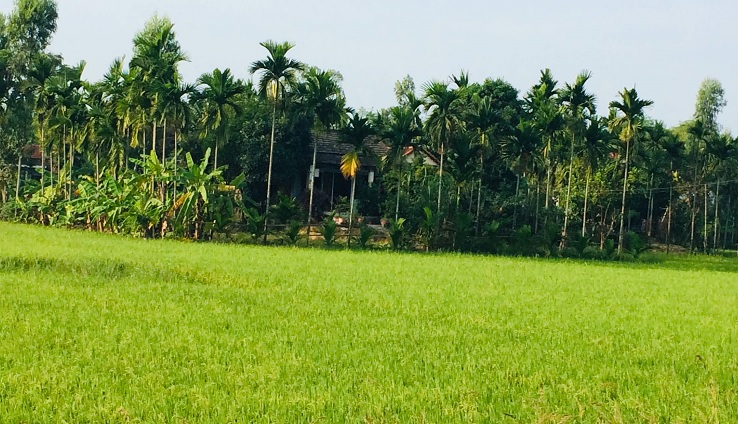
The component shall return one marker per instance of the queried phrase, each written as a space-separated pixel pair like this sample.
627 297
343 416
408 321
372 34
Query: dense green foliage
107 329
493 169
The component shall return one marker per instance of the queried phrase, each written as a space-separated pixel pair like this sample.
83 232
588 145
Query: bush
397 233
328 230
365 235
292 234
570 252
591 252
625 257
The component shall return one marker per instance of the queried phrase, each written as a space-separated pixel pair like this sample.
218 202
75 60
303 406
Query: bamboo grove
545 171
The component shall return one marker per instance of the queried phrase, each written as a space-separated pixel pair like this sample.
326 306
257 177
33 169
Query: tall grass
98 328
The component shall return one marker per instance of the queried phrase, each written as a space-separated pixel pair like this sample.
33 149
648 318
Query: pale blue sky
664 48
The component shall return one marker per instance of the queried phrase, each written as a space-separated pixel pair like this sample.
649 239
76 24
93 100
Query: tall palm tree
218 95
722 155
399 130
578 105
597 145
521 152
320 94
628 121
44 67
444 117
483 118
355 134
277 70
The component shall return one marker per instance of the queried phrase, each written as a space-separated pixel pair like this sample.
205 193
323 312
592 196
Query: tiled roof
330 148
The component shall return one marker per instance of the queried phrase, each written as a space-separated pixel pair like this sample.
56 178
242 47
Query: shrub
328 230
365 235
570 252
292 234
591 252
254 223
397 233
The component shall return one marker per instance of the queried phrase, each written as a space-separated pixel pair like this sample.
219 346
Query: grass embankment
99 328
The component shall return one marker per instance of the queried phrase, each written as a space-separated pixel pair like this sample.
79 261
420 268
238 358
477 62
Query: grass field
98 328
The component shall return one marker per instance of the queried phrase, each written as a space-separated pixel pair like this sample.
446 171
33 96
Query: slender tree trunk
18 177
586 201
650 207
43 157
479 194
97 169
548 173
727 224
312 190
705 236
71 161
351 210
716 221
174 185
668 222
397 200
269 172
538 202
515 206
621 235
564 231
163 183
440 177
458 197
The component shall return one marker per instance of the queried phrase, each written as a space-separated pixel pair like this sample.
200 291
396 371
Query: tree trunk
727 224
174 185
621 235
538 202
586 199
668 222
397 200
312 190
43 157
650 207
351 210
269 172
479 194
705 235
440 177
716 221
564 231
97 169
18 178
515 206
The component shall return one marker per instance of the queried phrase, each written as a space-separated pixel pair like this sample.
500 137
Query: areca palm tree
597 145
355 134
320 94
482 118
276 71
219 94
399 131
521 152
44 67
578 105
444 118
628 122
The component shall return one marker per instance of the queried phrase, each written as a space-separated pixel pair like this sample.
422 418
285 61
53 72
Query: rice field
105 329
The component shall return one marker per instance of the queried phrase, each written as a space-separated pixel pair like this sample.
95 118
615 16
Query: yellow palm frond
350 164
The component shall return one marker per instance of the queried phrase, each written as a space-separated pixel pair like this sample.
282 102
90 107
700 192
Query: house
329 181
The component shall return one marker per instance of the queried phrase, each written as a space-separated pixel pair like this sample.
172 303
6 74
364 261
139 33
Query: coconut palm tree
355 134
578 105
218 97
444 118
277 70
628 122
